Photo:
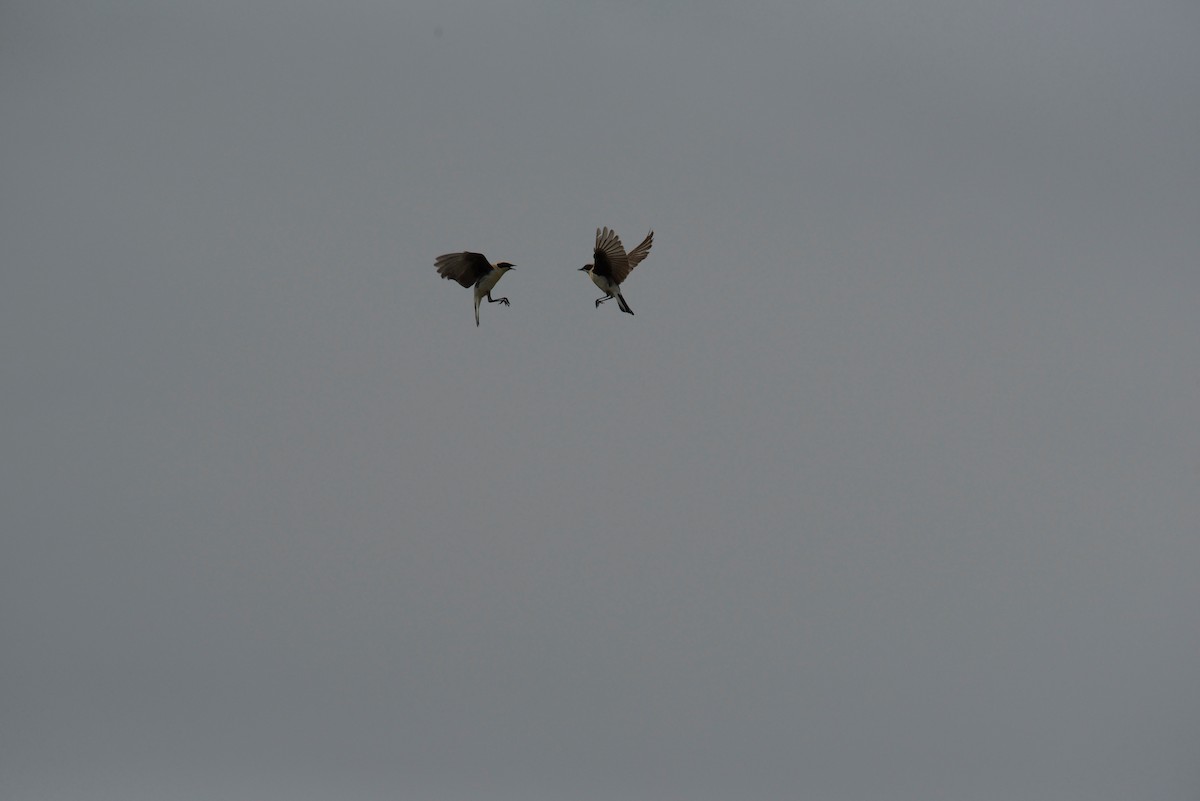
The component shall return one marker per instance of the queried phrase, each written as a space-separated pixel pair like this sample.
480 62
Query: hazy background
890 490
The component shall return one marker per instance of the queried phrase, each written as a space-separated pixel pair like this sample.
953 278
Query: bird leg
601 300
497 300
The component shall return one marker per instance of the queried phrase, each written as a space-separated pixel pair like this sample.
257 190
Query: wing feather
641 251
466 268
610 259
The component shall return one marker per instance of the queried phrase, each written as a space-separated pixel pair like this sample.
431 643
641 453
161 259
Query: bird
610 265
473 269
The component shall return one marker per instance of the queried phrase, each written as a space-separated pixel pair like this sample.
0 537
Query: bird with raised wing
611 265
473 270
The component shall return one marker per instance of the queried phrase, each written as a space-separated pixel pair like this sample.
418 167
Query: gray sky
890 489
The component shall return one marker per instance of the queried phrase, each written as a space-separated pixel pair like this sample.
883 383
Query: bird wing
610 259
640 252
466 268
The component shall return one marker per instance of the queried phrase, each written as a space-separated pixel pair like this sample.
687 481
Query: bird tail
477 299
624 306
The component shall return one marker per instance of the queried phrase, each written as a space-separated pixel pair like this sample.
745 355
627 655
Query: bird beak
583 269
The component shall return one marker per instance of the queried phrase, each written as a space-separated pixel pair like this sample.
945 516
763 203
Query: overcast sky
890 489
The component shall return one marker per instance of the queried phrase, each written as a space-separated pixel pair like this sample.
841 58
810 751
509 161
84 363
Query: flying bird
473 269
611 265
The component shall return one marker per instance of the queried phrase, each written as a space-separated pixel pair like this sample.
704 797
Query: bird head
585 268
504 266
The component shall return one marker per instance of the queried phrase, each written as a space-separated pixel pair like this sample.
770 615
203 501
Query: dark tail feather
624 306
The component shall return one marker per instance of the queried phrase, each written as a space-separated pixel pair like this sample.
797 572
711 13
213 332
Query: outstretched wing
465 268
610 259
637 254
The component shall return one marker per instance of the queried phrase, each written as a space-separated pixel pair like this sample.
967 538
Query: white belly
487 283
605 284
